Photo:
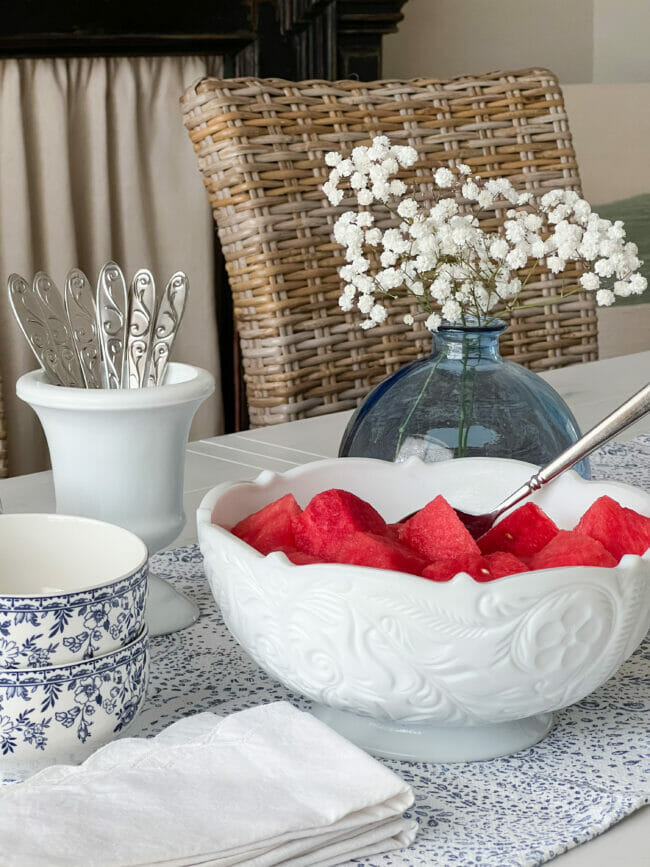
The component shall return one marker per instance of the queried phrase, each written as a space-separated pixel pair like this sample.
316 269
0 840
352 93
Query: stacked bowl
73 641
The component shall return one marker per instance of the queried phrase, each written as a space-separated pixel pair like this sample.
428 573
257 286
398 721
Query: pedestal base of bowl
167 609
436 743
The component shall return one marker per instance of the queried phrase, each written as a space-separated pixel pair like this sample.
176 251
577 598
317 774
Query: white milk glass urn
118 455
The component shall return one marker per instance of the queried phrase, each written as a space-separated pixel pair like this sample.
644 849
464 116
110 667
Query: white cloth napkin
265 786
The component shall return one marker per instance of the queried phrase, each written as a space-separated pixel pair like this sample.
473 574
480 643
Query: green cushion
635 213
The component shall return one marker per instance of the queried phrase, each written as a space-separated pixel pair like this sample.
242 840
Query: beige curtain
95 164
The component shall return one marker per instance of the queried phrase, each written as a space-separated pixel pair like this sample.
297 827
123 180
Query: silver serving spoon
622 417
170 313
82 314
142 307
58 325
32 319
112 310
634 408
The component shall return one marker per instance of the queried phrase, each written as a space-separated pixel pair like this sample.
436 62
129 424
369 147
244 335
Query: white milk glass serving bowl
63 713
415 669
119 455
70 589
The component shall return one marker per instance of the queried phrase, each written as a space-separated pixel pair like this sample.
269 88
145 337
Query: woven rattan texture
261 145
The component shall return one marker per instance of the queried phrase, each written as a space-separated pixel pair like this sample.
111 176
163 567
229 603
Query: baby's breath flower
555 264
638 284
499 248
590 281
365 304
444 177
405 156
345 303
432 322
451 311
436 252
605 298
485 199
622 289
407 208
470 190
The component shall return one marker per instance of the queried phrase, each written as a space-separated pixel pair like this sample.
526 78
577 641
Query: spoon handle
626 414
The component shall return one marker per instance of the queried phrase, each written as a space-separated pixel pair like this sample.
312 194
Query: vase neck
469 342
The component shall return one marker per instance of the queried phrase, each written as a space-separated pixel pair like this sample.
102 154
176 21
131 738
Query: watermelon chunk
437 533
445 569
271 527
502 563
380 552
619 529
571 548
394 530
523 532
298 558
330 518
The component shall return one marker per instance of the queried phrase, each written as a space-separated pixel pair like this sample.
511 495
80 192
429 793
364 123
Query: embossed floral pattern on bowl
403 653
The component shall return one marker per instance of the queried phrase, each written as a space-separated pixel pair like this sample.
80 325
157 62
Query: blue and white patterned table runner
588 773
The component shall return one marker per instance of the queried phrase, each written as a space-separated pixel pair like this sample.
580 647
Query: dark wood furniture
292 39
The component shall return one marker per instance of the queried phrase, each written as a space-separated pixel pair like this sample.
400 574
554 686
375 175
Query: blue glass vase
461 401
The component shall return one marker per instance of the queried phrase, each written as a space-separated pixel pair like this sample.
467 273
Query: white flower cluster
439 255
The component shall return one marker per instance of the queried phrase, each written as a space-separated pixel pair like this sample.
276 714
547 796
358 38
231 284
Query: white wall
580 40
621 41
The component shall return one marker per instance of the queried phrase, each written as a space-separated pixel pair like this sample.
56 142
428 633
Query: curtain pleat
95 165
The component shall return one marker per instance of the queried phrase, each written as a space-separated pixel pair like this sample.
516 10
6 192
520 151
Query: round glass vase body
464 400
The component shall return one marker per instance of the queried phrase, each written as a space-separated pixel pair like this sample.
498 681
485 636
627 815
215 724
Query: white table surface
591 390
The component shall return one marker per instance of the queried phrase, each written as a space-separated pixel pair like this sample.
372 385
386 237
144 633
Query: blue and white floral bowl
71 589
61 714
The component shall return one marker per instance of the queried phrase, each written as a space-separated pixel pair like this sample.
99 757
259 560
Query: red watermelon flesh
445 569
523 532
299 558
394 530
437 533
502 563
330 518
619 529
271 527
380 552
571 548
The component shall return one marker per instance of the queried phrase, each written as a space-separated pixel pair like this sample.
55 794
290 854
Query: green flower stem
404 425
466 411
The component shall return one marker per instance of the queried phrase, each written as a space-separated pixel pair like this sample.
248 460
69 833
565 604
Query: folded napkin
263 786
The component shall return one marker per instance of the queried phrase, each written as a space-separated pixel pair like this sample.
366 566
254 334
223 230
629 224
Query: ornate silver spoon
626 414
170 313
82 314
112 306
142 305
